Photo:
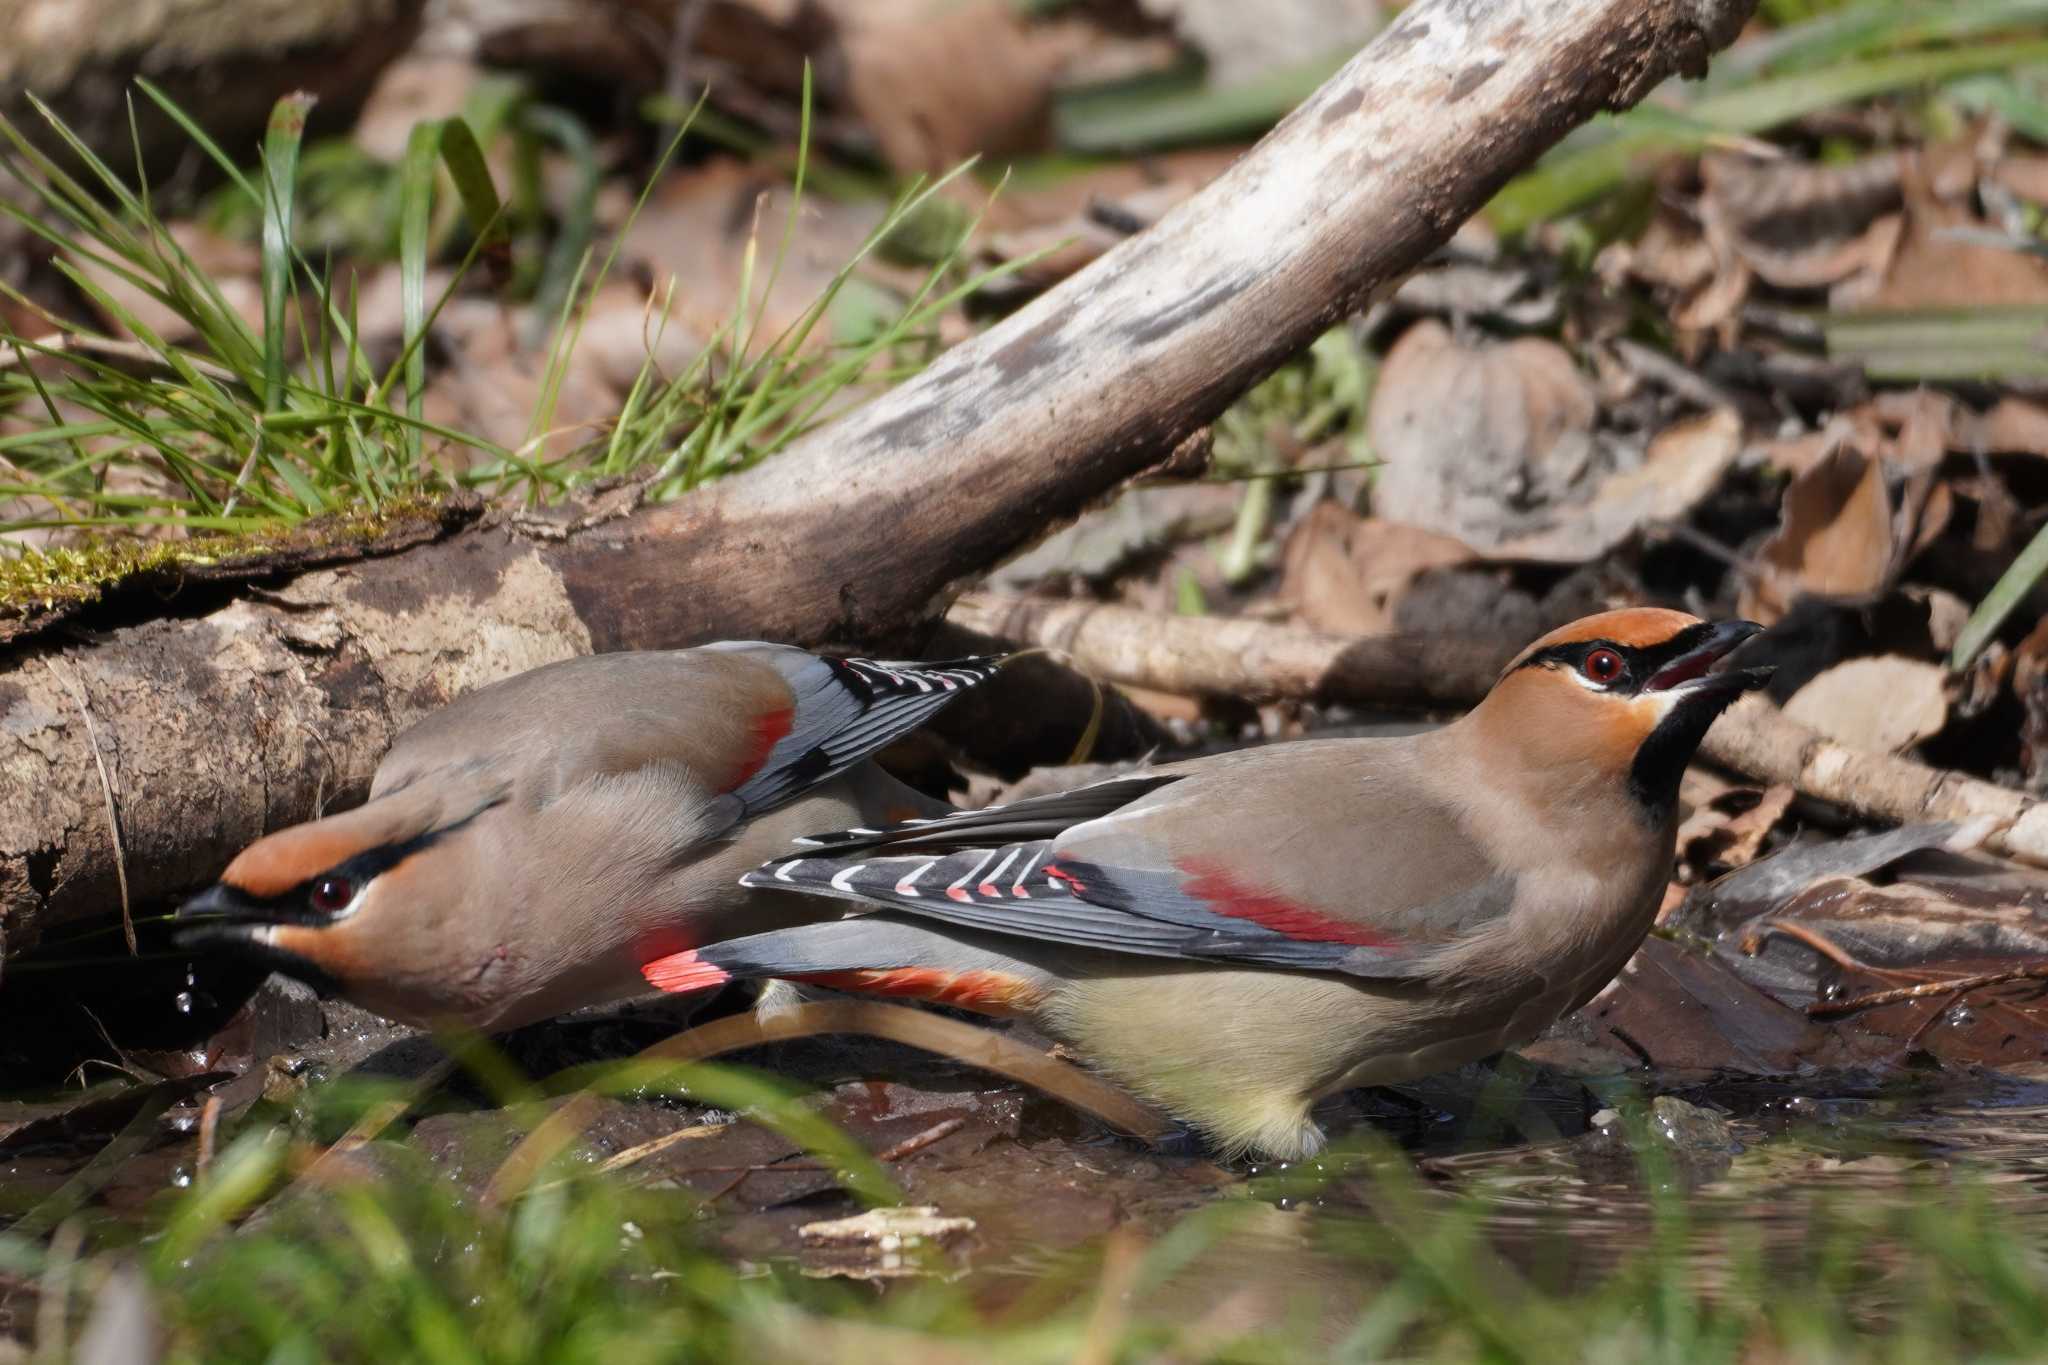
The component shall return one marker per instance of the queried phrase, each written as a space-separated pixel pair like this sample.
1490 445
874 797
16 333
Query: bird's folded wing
1025 890
840 712
1312 857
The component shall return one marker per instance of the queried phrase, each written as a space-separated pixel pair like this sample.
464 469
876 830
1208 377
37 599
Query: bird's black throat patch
1660 760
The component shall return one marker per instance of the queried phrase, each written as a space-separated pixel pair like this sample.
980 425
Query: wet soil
1726 1050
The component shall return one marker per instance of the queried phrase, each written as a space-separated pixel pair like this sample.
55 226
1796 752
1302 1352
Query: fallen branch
231 718
1252 660
1197 656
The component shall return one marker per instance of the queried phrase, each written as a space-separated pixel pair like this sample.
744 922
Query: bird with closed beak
527 848
1237 936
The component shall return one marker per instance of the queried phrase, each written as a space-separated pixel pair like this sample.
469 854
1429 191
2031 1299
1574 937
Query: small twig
209 1129
1934 1016
633 1156
1899 995
113 816
728 1187
1753 942
1659 368
917 1142
1953 985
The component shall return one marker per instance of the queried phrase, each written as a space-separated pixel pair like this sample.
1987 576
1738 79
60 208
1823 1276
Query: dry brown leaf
938 81
1834 537
1685 462
1671 254
695 232
2030 685
1476 436
2016 426
2025 175
1135 526
1858 428
1926 425
1346 573
1881 704
1799 225
492 384
1729 831
1932 270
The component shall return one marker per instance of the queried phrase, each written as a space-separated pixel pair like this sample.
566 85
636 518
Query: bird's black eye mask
1629 670
320 899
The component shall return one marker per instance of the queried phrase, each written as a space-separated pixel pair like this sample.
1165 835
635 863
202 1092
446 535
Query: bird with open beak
525 849
1237 936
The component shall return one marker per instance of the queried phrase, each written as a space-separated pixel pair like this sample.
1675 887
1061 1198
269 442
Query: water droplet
183 1002
181 1178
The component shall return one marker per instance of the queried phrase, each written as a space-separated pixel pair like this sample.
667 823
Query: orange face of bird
1626 694
325 898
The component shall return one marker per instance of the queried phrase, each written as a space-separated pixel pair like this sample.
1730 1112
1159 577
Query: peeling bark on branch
221 724
1195 656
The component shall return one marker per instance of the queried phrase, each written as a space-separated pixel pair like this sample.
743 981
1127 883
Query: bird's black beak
222 919
219 901
1699 670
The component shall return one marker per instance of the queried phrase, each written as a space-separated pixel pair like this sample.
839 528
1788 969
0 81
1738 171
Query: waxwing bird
1237 936
525 849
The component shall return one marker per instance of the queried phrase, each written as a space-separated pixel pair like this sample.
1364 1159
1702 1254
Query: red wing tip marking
768 730
1216 887
682 972
1055 873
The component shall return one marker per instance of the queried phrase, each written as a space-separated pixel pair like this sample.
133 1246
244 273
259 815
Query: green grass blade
2005 596
280 177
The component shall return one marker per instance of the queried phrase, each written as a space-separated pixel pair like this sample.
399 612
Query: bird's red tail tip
682 972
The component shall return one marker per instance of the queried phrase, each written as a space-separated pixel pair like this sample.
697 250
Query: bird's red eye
1602 666
331 894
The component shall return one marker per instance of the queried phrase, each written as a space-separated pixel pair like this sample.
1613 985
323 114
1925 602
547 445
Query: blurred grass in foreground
276 1253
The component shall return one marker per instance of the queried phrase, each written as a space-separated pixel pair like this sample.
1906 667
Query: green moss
44 580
